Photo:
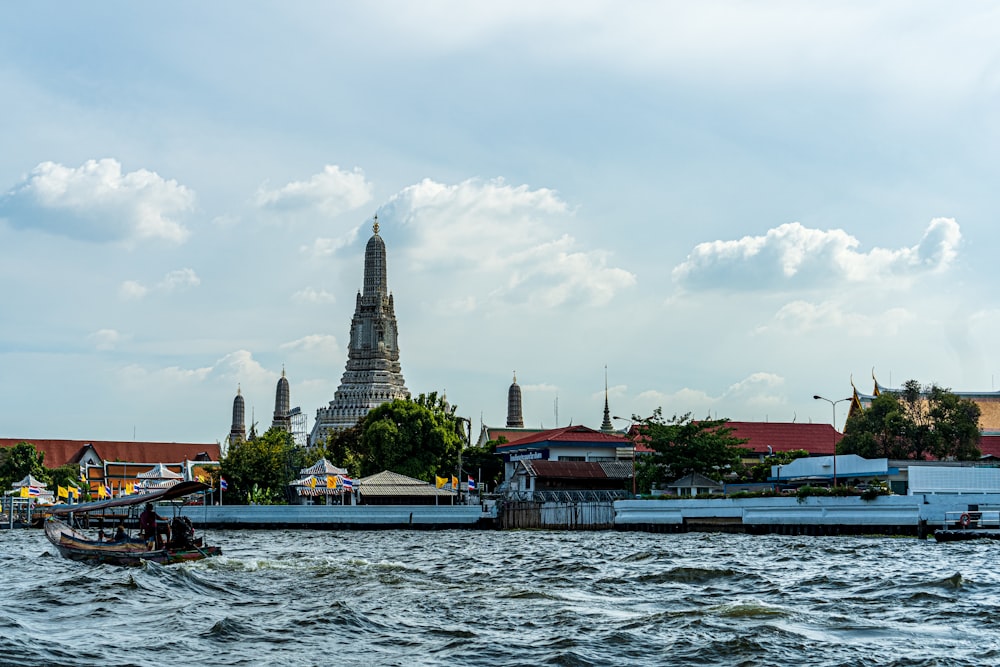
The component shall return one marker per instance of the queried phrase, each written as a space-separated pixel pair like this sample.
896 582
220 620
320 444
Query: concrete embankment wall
557 516
339 517
899 515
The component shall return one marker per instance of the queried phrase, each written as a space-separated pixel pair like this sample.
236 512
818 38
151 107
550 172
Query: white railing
972 519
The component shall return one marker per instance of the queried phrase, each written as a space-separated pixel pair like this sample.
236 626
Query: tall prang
514 417
238 431
282 405
373 375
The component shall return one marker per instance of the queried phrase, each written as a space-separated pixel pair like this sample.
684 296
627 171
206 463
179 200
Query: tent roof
30 481
322 467
159 471
387 483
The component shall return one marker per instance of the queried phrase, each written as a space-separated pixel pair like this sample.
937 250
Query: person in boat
181 533
148 528
120 532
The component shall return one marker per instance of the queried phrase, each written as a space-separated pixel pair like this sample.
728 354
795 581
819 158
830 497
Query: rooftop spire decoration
606 425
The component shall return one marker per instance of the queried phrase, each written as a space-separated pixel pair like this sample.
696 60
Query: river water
508 598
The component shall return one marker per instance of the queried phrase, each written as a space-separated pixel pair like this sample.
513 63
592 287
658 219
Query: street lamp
468 441
833 406
632 438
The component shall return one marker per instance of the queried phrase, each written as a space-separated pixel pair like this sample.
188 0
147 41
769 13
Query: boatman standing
147 526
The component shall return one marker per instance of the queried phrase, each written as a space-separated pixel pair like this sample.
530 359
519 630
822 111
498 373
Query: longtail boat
126 550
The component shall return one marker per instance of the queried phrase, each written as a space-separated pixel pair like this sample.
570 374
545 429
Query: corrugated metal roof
388 483
579 469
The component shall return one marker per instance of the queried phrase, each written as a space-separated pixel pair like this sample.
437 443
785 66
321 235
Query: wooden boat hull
75 546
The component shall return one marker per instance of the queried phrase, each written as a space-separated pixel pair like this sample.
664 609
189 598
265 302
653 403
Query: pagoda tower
238 431
514 417
282 405
373 375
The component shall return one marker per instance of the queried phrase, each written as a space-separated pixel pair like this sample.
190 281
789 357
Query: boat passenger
147 525
120 532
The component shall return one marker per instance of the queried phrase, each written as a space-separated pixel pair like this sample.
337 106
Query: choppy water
508 598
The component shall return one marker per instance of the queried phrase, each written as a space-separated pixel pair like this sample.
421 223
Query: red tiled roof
571 434
817 439
511 434
61 452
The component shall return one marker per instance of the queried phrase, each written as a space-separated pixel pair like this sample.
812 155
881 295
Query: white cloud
507 236
325 247
615 391
331 192
313 295
792 256
758 391
179 279
236 367
97 202
131 289
318 345
105 339
799 317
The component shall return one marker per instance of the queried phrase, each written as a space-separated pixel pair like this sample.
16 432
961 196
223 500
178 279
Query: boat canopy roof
176 491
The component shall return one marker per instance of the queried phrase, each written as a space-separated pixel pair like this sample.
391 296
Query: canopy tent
30 482
322 467
158 477
321 479
160 471
320 485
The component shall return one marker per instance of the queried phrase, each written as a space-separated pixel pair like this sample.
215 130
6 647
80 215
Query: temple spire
606 425
238 429
373 375
514 417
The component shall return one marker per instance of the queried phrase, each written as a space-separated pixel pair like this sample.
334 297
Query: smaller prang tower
282 405
514 417
238 431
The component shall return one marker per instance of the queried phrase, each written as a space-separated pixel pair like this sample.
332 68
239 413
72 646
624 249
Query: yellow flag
454 482
312 482
62 492
102 491
331 482
130 488
24 492
441 481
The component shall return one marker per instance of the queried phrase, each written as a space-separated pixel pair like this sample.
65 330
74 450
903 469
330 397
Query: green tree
19 461
914 423
682 446
260 469
343 448
419 438
67 475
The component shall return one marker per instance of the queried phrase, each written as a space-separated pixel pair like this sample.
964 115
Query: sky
717 208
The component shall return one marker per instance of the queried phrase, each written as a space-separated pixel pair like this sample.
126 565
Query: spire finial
375 226
515 377
282 370
238 389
